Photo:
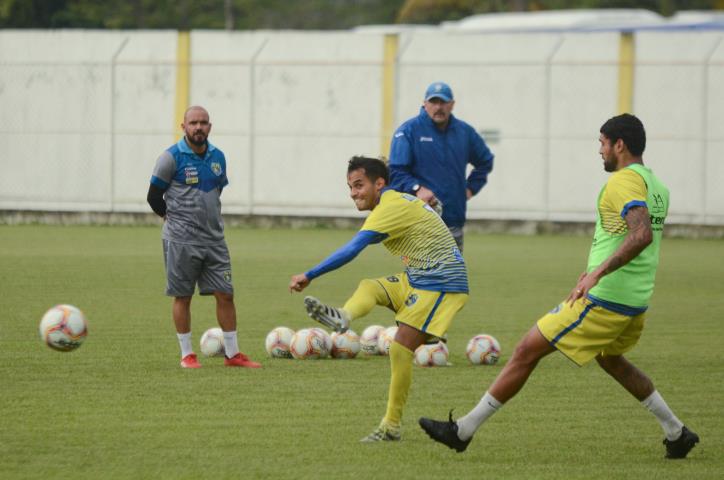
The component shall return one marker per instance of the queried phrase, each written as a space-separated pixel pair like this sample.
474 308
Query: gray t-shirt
192 187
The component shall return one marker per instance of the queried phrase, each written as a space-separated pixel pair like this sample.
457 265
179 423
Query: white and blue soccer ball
483 349
212 343
278 341
63 328
345 345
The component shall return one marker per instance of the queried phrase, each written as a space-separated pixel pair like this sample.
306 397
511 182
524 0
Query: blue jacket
423 155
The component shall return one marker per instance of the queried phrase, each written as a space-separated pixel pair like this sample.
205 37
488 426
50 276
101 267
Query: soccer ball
308 343
212 342
63 328
345 345
369 338
327 339
385 340
483 350
432 355
278 341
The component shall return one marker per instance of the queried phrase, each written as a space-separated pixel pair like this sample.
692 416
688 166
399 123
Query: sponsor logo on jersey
192 175
408 197
659 206
657 211
426 139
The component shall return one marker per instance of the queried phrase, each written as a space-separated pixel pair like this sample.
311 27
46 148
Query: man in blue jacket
429 157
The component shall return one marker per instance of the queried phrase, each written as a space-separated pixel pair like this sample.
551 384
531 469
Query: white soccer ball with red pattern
345 345
483 349
63 328
309 343
277 342
385 340
369 338
327 338
212 342
432 355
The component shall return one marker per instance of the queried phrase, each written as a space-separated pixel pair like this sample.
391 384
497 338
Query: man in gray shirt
185 191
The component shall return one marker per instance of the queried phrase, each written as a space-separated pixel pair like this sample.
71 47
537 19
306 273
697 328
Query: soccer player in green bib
603 316
425 298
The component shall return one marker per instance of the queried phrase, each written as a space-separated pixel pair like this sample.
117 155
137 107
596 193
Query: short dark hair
374 167
629 129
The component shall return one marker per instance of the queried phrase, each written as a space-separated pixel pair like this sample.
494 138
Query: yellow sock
400 380
368 294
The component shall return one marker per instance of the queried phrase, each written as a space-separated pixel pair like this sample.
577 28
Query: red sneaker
189 361
241 360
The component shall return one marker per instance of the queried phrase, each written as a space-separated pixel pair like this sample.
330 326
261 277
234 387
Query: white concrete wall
86 113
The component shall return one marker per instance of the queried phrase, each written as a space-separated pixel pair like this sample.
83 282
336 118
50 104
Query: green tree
284 14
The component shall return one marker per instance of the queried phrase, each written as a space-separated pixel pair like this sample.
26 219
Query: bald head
195 109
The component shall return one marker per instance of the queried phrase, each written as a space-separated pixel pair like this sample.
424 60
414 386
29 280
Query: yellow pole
388 92
626 60
183 77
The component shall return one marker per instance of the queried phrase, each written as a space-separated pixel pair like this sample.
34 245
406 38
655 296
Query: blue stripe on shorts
573 325
432 313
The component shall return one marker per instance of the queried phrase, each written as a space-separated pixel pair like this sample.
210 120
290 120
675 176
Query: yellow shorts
425 310
585 330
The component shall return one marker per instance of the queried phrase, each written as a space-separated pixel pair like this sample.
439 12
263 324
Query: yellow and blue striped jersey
408 227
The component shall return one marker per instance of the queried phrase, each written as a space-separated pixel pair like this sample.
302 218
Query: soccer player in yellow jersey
425 298
603 316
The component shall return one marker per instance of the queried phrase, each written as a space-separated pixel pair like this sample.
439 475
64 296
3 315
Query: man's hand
585 283
298 283
427 196
468 193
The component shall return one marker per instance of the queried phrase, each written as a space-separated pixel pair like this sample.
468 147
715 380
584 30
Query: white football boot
332 318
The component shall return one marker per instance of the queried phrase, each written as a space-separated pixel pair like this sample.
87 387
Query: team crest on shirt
411 300
227 276
216 168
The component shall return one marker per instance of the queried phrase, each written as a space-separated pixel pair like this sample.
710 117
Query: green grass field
120 406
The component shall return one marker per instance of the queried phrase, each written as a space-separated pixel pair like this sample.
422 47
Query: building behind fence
85 114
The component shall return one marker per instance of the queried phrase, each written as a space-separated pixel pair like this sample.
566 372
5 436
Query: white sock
468 424
184 340
231 347
655 404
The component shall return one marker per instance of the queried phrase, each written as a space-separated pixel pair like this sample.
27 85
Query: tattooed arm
639 237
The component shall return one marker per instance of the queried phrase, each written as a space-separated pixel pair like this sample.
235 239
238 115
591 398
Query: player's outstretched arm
639 237
343 255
